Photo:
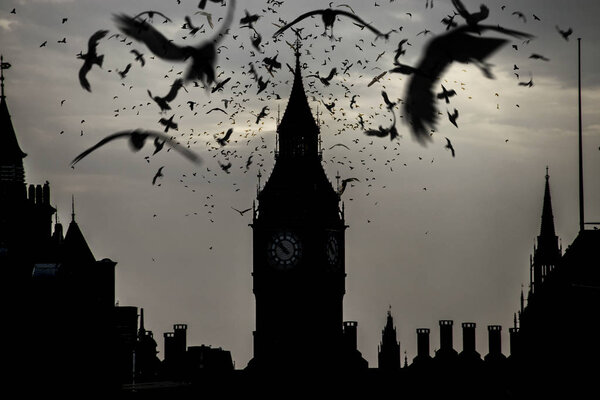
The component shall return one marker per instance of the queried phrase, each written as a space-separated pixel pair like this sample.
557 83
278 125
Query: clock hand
283 248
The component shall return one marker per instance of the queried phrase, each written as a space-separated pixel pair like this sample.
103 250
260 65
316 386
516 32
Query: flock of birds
465 38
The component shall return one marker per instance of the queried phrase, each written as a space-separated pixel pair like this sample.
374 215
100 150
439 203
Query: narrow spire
3 66
72 208
142 330
547 228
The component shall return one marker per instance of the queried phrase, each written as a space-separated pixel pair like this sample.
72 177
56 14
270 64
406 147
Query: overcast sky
458 250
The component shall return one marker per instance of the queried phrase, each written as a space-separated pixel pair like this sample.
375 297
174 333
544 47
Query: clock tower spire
298 245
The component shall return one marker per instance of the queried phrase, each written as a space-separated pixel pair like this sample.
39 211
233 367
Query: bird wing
456 45
127 68
460 7
101 143
85 68
359 20
190 155
386 98
178 84
156 42
94 39
300 18
331 74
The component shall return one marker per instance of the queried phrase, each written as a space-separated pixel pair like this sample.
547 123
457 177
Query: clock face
284 250
332 250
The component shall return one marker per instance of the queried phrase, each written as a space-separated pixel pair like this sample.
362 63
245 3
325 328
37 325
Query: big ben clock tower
298 251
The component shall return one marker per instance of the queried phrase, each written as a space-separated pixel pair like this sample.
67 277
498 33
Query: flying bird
220 85
90 58
446 94
449 146
539 57
564 34
168 123
223 141
376 79
137 139
345 183
189 25
163 102
339 144
329 16
138 57
388 103
453 117
472 19
262 114
399 50
325 80
519 14
456 45
158 174
208 17
242 211
249 19
151 15
216 109
125 71
202 56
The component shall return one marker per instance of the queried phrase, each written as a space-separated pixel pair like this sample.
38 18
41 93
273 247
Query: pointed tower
12 174
389 349
298 250
547 253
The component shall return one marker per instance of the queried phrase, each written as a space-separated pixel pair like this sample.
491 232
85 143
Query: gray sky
458 250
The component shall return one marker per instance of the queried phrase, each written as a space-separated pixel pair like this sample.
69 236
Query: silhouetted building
62 297
388 355
298 251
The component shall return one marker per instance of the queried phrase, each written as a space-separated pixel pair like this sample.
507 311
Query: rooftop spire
72 208
3 66
547 228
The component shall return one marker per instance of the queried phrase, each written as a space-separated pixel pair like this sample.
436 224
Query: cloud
7 24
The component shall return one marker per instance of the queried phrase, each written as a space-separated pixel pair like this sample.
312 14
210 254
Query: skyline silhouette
415 249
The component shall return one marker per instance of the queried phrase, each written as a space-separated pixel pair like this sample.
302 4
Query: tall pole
581 220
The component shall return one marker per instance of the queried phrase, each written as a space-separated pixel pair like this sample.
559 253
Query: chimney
38 195
423 342
350 341
46 193
169 345
446 334
180 339
495 340
468 337
515 345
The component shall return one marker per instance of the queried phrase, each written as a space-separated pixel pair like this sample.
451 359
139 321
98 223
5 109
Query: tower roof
76 248
547 227
297 120
10 151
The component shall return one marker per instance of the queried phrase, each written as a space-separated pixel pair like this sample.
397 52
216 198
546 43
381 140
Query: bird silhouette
151 15
225 167
158 174
242 211
446 94
519 14
339 144
472 19
158 145
539 57
208 17
220 85
400 51
203 56
168 123
216 109
189 25
137 138
223 141
453 117
345 183
90 58
262 114
564 34
390 105
449 146
324 80
138 57
163 102
249 19
456 45
329 16
123 73
376 79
